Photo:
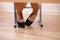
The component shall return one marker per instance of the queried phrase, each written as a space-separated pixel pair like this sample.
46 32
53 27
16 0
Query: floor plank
50 31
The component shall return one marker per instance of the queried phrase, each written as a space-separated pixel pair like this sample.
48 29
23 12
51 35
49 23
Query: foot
21 24
28 22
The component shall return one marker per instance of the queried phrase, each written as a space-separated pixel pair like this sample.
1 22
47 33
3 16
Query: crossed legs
30 19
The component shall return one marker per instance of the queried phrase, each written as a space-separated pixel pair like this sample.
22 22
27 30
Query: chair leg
41 22
15 17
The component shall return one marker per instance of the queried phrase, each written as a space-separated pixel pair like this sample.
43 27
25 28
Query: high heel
21 24
28 22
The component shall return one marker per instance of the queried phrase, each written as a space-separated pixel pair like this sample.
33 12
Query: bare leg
19 7
32 17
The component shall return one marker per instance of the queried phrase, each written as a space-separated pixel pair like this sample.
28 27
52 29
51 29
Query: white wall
50 7
6 6
46 7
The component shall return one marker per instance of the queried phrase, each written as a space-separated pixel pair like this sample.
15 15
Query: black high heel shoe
28 22
21 24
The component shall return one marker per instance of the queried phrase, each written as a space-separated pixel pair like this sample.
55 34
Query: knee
35 5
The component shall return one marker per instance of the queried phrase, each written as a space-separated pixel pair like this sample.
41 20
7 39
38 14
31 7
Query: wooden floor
50 31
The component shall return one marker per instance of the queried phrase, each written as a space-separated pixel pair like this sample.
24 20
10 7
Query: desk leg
15 17
41 22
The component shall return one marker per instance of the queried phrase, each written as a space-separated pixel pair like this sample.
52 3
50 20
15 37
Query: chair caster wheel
41 25
14 26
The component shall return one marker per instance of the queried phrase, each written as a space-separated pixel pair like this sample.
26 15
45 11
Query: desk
32 1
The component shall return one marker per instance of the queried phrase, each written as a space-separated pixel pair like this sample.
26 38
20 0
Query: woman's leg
20 20
32 17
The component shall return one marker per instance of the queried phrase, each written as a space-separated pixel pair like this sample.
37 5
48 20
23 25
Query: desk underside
32 1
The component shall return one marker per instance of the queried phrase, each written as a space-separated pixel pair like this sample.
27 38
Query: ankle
21 20
32 18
